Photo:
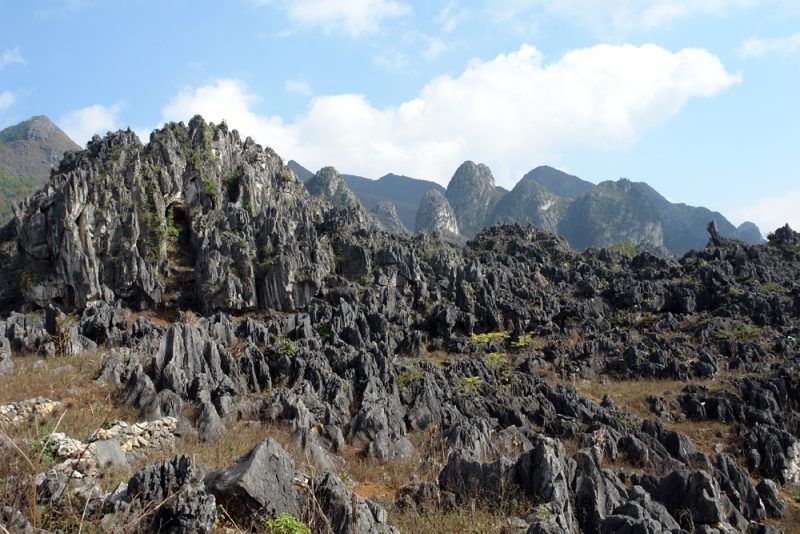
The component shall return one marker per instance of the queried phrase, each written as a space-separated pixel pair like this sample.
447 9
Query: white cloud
512 112
352 17
7 99
772 213
784 46
298 87
82 124
619 16
10 57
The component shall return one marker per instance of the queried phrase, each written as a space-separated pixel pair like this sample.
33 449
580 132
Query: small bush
286 523
285 346
746 332
523 341
619 318
471 384
406 377
721 335
772 288
488 337
544 514
44 448
210 188
496 359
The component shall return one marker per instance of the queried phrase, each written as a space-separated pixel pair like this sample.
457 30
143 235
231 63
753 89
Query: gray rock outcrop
436 216
473 195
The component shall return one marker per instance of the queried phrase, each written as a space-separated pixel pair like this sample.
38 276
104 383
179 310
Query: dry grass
69 380
790 522
383 481
632 396
438 357
469 518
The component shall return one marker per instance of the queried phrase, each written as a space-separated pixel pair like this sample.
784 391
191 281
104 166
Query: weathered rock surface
27 411
387 216
436 216
264 480
354 339
472 195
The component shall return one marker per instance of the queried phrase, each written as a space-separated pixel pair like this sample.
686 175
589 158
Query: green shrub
284 346
471 383
286 523
44 448
523 341
544 514
747 332
210 188
723 334
772 288
619 318
324 329
496 359
173 232
489 336
406 377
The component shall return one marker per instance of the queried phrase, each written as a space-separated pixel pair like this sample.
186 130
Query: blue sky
696 97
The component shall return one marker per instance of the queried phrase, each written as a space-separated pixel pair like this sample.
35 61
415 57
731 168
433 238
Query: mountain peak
38 128
559 182
472 195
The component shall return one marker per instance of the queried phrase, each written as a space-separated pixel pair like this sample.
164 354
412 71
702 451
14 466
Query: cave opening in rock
179 286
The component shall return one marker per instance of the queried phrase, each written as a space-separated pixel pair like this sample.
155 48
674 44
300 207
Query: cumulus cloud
10 57
81 124
620 16
7 100
351 17
784 46
772 213
512 112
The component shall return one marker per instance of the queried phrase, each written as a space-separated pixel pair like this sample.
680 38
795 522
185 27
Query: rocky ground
193 341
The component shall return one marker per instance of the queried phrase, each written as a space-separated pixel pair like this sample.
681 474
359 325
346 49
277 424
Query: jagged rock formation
328 183
301 172
558 182
362 340
386 214
554 200
472 195
102 230
611 212
402 191
28 152
436 216
530 203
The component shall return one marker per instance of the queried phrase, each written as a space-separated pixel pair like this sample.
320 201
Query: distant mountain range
588 215
28 151
404 192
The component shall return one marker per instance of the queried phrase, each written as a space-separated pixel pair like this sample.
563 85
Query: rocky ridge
476 360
